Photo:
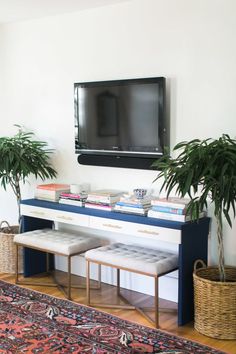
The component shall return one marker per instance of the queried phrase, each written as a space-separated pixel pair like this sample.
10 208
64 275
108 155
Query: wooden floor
168 320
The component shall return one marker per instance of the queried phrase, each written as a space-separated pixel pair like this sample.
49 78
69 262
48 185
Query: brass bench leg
99 276
88 282
69 277
47 263
118 281
17 270
156 305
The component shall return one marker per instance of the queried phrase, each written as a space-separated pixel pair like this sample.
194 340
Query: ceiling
20 10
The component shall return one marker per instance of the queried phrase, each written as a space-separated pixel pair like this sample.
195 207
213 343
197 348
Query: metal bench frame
48 271
128 306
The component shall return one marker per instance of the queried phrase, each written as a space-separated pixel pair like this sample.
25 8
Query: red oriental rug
31 322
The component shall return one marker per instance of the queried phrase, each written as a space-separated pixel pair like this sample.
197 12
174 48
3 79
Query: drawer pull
40 213
148 232
63 217
113 226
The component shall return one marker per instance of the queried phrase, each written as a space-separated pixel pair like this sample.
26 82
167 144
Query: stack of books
103 199
132 205
173 209
73 199
51 191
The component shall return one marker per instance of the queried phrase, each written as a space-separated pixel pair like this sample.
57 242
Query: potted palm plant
205 171
21 156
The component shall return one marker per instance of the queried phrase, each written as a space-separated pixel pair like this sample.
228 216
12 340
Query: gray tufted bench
133 258
54 242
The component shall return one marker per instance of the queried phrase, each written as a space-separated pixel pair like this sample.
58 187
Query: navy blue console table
191 237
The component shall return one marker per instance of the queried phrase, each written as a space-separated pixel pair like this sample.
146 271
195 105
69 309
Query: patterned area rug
31 322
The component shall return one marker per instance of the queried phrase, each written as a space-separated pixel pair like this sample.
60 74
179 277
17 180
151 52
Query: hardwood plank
168 320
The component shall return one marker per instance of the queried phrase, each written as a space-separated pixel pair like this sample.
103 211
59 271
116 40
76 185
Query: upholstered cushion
57 241
134 258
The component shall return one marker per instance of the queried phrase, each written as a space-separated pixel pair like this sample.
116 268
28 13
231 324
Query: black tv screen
124 117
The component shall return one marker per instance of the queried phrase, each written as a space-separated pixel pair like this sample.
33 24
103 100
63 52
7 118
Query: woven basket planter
214 302
8 249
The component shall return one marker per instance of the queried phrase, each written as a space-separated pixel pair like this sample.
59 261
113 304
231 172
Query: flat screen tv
122 119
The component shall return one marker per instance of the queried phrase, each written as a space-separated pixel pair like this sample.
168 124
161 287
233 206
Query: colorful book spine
99 204
130 209
132 205
163 209
44 193
78 203
99 207
102 199
175 205
53 187
73 196
135 201
50 198
106 192
172 217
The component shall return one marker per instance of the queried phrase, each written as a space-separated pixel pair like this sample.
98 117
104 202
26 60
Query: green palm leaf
206 172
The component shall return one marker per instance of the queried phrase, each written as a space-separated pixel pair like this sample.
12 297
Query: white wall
190 42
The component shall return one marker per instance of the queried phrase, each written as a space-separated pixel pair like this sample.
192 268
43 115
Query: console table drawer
156 233
108 224
55 215
71 218
138 230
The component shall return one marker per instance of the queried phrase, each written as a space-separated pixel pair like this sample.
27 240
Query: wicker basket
214 301
8 249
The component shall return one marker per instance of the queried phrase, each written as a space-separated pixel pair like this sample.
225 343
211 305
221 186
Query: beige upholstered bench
57 243
133 258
